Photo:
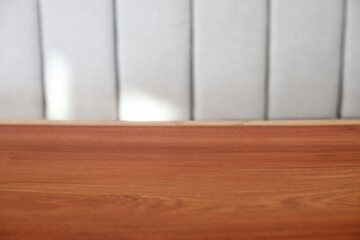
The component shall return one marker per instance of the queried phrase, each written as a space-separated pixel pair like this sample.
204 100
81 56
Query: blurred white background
179 59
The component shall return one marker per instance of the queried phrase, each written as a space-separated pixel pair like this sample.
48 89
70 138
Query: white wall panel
305 58
229 51
20 70
154 59
78 40
351 87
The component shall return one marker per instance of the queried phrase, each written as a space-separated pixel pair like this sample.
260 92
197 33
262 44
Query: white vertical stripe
154 58
351 87
20 71
78 39
230 52
305 58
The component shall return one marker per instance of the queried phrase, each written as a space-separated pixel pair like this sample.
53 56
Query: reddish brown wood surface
179 182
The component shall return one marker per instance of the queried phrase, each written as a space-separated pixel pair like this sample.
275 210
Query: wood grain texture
179 182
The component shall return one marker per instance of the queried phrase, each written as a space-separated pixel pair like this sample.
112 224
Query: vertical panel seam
342 59
116 60
191 60
42 58
267 60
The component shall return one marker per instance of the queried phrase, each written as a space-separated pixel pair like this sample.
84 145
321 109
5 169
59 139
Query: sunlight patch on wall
58 86
140 106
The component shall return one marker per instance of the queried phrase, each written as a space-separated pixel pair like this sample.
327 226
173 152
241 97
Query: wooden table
203 180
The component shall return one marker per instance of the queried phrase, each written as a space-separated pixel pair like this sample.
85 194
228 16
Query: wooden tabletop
180 180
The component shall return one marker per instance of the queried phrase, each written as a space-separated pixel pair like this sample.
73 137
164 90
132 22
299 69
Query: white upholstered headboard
179 59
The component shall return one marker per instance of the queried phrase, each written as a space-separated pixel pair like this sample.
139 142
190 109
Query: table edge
185 123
